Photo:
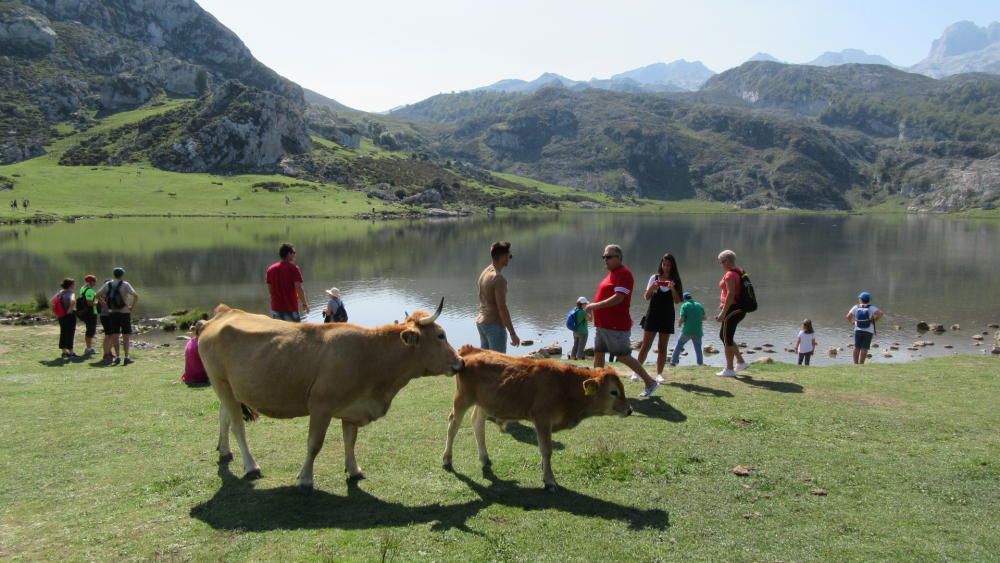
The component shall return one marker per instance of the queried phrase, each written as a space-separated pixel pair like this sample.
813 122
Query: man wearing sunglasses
493 321
612 319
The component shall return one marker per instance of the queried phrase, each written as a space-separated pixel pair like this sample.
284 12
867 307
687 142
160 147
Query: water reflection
927 268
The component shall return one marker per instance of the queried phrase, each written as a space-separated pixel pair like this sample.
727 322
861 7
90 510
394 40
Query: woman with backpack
730 313
334 312
64 307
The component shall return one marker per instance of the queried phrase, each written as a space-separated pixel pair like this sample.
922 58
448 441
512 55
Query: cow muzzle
458 366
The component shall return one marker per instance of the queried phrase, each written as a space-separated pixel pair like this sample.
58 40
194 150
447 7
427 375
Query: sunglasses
610 256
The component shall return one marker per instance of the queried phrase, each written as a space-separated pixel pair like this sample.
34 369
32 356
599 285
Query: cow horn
427 321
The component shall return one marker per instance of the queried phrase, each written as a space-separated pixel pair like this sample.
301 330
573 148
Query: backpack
82 309
863 317
341 315
571 319
58 308
748 298
115 299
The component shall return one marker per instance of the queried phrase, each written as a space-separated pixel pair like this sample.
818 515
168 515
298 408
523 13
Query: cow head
427 340
605 394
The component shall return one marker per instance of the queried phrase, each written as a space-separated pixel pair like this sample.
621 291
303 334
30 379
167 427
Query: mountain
849 56
680 73
516 85
963 47
316 99
60 62
763 57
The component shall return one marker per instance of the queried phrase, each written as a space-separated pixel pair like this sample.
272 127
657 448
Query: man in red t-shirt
284 281
612 320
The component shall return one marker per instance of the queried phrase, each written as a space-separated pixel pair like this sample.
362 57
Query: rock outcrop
24 31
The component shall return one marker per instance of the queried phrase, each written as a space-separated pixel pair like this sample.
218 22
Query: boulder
430 198
832 352
923 326
763 360
977 336
937 328
709 349
24 31
956 327
126 91
994 325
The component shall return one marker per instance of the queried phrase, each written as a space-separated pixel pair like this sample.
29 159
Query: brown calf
552 395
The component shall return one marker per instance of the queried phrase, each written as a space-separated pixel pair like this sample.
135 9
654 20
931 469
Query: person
612 321
663 291
580 333
805 342
114 296
864 315
334 310
87 306
730 314
493 321
109 343
67 320
284 282
194 370
691 316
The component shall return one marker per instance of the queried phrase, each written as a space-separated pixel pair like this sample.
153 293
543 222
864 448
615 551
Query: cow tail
249 413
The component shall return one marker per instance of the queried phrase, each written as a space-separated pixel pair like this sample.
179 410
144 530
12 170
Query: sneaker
659 378
741 367
727 373
128 361
90 351
106 360
648 391
116 361
635 377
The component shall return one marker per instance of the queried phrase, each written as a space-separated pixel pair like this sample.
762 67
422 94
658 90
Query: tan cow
323 371
552 395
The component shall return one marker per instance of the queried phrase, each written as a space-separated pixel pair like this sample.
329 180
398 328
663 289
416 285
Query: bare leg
479 427
127 338
350 462
730 354
637 368
661 352
318 423
647 343
454 423
862 355
544 432
598 359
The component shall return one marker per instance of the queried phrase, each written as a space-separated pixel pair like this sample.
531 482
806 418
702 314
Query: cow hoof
447 466
305 489
487 463
551 488
224 459
252 475
356 477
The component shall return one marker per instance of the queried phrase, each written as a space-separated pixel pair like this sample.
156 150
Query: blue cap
865 297
118 272
686 295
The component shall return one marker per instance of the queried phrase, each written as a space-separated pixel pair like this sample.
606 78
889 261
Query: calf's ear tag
589 387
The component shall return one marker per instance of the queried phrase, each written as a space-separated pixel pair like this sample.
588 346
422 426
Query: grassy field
892 462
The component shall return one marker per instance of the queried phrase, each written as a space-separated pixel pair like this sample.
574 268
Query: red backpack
58 308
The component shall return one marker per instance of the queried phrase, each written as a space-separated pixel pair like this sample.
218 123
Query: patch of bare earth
870 400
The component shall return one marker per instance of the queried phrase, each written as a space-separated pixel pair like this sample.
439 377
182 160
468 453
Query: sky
375 55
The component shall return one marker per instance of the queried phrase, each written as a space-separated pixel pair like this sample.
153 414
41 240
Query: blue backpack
863 317
571 319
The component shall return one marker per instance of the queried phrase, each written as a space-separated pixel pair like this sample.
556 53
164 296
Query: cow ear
590 386
410 337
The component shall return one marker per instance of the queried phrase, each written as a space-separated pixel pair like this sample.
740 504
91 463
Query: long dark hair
675 276
807 326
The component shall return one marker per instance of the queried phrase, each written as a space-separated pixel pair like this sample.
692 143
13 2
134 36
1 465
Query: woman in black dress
663 290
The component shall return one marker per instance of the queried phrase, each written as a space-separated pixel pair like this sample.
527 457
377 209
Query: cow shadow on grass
527 435
239 505
656 407
779 386
701 389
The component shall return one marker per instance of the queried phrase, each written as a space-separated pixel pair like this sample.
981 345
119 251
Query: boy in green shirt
580 334
691 315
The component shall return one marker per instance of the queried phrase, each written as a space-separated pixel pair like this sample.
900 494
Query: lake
928 268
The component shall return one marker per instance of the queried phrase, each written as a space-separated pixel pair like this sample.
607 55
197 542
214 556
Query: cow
258 365
552 395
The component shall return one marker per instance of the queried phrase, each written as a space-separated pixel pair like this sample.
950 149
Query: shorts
614 342
121 323
105 323
290 316
732 318
91 323
492 337
862 340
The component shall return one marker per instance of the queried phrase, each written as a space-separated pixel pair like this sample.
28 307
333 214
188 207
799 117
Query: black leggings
732 318
805 358
67 326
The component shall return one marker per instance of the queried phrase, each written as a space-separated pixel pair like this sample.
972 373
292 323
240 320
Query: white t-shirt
872 309
807 342
652 282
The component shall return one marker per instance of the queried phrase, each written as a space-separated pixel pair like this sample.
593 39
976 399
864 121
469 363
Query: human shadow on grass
779 386
527 435
238 505
59 362
656 407
700 389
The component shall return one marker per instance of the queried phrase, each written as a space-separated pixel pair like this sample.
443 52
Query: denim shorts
614 342
492 337
290 316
